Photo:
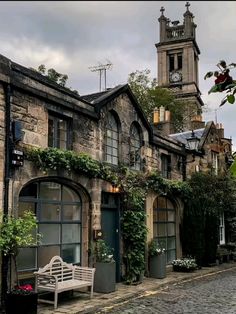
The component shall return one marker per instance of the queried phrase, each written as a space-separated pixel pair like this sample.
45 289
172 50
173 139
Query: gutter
7 90
7 175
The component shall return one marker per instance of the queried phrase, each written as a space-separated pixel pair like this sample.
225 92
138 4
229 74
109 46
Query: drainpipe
7 175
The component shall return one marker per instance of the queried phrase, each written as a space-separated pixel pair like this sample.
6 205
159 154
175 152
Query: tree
151 96
54 76
223 82
211 196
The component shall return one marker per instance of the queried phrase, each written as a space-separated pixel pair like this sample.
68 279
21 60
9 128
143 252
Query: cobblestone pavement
215 294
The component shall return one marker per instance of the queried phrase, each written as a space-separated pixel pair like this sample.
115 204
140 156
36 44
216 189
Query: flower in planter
154 248
102 252
25 289
185 264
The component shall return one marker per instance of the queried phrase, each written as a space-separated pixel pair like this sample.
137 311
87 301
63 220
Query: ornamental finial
162 10
187 5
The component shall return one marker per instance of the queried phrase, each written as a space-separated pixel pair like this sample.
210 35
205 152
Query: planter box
105 277
157 266
182 269
21 303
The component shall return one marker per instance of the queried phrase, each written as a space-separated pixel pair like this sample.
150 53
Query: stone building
109 126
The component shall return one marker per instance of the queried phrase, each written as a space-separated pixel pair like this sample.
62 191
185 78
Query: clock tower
178 56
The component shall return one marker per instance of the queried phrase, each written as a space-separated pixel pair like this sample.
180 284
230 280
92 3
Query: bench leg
91 292
55 299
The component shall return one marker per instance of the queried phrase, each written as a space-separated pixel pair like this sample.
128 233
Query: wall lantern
115 188
192 142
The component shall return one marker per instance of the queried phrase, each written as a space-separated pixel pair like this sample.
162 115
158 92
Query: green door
111 227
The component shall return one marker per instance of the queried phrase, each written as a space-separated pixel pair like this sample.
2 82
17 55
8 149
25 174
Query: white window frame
222 229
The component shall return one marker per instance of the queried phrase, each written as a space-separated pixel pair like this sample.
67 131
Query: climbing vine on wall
133 187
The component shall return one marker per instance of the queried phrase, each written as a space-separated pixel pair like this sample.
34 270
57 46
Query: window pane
161 230
50 233
115 161
71 253
50 190
71 212
161 215
70 233
171 215
170 204
171 243
109 150
29 191
50 212
154 215
161 202
46 253
162 242
69 195
171 255
26 206
50 132
171 229
26 259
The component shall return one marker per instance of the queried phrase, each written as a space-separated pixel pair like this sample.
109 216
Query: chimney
161 121
162 113
156 117
220 130
197 123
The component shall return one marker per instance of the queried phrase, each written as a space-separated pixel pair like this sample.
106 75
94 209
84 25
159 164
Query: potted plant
14 234
157 260
184 264
105 274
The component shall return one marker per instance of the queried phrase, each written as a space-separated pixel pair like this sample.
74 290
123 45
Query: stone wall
2 146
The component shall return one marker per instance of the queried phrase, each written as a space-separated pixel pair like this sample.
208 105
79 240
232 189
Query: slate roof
182 137
98 97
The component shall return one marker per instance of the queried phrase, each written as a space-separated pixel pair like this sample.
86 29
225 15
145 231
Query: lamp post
192 142
192 146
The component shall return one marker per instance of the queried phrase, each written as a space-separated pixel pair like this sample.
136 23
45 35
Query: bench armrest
46 280
84 273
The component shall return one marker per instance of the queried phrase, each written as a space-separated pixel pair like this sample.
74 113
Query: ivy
133 186
134 235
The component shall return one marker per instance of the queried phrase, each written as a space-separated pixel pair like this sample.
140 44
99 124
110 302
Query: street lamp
192 142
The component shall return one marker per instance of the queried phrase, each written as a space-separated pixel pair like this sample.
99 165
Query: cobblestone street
214 294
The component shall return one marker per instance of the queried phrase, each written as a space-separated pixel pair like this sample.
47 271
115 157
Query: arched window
58 211
135 147
112 140
164 226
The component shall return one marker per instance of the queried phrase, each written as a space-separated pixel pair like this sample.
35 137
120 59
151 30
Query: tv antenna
102 69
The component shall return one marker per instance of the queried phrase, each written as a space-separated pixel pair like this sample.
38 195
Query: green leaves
17 232
208 74
231 99
215 89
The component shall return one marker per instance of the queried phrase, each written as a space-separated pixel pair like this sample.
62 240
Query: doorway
110 224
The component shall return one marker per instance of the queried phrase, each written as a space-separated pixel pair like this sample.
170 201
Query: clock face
175 77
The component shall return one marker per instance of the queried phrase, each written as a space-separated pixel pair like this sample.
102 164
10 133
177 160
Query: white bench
59 276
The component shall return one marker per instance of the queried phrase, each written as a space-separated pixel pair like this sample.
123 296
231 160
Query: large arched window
58 211
135 147
164 226
112 140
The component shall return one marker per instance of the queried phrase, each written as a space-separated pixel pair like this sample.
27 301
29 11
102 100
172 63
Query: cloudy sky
72 36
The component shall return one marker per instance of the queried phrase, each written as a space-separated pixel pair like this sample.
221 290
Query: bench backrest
58 268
